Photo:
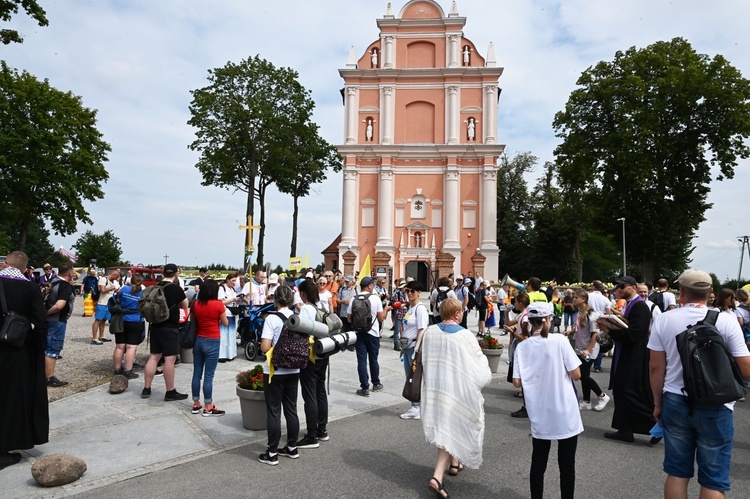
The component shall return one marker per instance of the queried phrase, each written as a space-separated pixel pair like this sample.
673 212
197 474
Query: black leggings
587 383
566 457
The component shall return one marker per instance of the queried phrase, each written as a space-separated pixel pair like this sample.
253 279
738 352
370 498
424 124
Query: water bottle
586 358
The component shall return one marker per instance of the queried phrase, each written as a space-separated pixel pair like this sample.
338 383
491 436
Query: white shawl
454 372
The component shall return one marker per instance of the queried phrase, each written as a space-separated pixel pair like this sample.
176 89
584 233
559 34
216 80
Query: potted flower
252 398
492 349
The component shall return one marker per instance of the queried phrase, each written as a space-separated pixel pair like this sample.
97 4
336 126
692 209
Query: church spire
454 10
351 61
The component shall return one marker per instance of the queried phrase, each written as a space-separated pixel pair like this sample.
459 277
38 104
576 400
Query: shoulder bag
413 386
15 327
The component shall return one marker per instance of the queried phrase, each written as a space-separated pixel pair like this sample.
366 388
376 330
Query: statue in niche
470 129
418 240
368 130
374 57
467 53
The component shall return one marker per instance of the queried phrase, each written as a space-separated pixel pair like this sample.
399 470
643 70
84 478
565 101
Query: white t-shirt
655 311
743 313
226 292
376 306
582 335
598 302
666 327
271 330
669 300
433 299
324 303
104 297
308 311
542 365
501 297
415 319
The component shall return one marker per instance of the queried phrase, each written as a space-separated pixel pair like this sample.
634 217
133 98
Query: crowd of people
557 337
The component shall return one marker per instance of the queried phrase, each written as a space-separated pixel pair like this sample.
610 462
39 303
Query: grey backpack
153 304
362 313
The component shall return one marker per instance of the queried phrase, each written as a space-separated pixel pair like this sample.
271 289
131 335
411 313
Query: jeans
281 392
55 338
598 361
566 459
569 318
205 355
408 359
397 325
705 436
368 347
312 379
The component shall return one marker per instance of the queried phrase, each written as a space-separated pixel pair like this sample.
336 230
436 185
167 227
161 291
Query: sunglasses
409 291
621 286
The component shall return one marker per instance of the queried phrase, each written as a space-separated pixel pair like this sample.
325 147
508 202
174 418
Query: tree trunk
249 210
295 214
23 231
648 270
262 186
577 255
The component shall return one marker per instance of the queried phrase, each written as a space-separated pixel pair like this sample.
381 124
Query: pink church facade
420 149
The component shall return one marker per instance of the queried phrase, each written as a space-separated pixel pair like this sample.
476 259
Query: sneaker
53 382
268 459
196 409
137 365
377 388
159 373
106 340
129 374
291 454
118 371
173 395
520 413
584 406
363 392
213 412
307 443
597 369
412 413
96 342
601 403
146 393
323 436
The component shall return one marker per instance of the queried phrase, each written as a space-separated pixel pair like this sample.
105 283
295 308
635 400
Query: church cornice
421 150
366 74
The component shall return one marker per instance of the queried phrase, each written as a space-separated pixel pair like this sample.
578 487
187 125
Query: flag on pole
365 270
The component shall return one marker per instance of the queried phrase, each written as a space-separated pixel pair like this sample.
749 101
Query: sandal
439 490
518 395
455 470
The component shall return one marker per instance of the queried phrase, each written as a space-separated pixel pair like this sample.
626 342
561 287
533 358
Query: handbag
189 330
413 386
15 327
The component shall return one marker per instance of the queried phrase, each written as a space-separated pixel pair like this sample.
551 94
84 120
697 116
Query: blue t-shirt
129 301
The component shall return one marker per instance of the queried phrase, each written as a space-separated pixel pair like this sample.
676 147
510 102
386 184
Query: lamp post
624 266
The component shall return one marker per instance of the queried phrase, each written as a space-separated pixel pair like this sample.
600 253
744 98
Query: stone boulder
57 469
119 384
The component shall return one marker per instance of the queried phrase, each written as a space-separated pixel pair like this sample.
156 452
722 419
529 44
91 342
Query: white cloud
136 62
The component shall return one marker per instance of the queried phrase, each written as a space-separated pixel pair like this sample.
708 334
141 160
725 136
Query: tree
51 154
8 8
309 157
246 111
640 137
512 212
104 248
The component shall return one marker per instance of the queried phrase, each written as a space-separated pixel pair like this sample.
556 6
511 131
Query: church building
420 149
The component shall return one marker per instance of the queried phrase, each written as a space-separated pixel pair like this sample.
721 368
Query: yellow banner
366 269
295 263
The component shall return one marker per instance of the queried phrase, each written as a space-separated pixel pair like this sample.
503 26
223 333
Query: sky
136 61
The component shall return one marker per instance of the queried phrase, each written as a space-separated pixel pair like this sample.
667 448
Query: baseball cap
459 278
46 266
349 278
627 281
366 281
170 269
401 283
309 275
539 309
273 278
695 279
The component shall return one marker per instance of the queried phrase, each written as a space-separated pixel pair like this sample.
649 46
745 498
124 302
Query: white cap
273 278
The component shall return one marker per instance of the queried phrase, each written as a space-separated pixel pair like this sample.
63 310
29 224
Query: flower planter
253 408
493 358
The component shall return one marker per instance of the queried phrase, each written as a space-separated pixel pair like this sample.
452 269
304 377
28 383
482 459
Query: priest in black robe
24 419
629 378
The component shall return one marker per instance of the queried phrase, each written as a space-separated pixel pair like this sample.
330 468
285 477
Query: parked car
150 275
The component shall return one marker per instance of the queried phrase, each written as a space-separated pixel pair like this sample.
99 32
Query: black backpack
441 295
50 291
362 313
658 299
709 372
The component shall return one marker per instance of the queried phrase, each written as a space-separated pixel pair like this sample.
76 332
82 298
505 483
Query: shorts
165 340
102 313
55 339
705 437
482 314
134 333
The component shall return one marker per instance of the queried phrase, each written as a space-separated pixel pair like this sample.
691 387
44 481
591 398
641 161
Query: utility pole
624 264
745 240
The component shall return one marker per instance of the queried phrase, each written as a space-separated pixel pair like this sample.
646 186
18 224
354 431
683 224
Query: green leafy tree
38 247
308 159
8 8
640 137
51 155
104 248
246 113
513 219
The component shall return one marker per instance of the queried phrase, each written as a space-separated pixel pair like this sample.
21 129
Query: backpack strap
711 317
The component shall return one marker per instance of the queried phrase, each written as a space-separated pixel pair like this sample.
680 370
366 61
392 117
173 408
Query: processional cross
249 227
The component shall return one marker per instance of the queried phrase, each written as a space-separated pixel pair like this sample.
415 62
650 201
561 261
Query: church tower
420 149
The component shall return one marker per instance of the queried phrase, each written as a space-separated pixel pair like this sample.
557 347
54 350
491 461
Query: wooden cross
249 227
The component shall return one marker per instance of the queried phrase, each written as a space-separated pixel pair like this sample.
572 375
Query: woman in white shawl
454 373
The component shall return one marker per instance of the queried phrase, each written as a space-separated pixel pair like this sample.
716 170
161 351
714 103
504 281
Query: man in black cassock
629 379
24 419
